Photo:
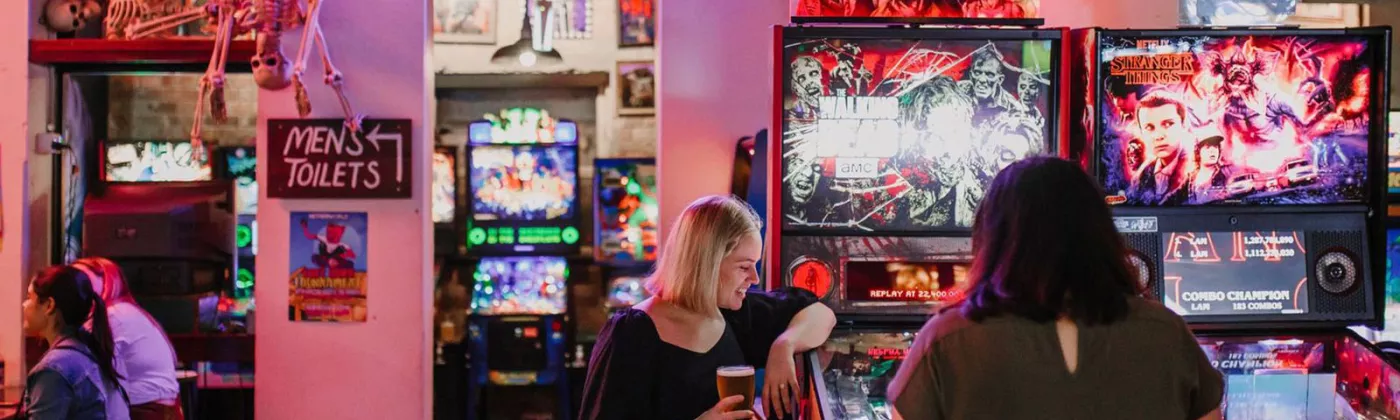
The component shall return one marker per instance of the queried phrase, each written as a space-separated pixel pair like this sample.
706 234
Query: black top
635 375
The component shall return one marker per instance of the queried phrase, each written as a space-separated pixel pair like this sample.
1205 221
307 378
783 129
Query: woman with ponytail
76 378
143 353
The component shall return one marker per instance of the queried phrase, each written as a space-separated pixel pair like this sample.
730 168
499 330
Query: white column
379 369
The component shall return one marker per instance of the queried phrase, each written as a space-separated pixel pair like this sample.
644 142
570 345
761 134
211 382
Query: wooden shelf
160 51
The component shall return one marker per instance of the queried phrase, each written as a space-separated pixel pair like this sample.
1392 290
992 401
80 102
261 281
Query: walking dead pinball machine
1245 168
889 137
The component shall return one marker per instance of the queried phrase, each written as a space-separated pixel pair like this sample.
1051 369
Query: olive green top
1147 366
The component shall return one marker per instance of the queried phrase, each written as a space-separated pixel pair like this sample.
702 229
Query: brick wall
161 107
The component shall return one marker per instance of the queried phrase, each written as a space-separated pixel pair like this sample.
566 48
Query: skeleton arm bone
164 23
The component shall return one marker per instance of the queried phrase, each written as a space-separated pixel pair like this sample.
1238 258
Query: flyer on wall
329 282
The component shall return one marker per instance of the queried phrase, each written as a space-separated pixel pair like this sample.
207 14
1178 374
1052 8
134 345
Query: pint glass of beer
736 380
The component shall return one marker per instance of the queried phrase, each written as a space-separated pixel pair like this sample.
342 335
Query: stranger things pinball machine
889 139
1245 168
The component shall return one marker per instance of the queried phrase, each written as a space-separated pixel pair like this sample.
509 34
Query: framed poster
327 256
636 23
636 88
568 19
464 21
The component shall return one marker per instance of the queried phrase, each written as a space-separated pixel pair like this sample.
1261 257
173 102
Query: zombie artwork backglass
1248 119
886 135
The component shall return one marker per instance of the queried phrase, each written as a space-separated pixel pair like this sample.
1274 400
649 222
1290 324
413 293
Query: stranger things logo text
321 158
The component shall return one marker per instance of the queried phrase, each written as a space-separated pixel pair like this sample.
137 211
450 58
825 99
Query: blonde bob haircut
687 274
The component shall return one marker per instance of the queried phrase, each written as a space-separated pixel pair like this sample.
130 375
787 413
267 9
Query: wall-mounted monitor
520 286
154 161
625 211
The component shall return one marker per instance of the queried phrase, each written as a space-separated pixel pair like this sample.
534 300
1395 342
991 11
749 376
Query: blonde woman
657 360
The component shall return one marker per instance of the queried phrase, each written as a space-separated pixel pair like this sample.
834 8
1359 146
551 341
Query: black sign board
321 158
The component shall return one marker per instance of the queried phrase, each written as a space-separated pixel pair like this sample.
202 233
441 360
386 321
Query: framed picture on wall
636 23
636 88
570 19
464 21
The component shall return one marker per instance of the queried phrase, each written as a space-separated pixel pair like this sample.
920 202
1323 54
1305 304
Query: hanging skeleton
271 67
232 18
136 19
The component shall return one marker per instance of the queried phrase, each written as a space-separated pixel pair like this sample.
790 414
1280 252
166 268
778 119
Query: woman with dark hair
1052 327
76 378
144 355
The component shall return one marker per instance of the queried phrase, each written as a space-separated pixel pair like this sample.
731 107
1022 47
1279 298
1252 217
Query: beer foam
735 371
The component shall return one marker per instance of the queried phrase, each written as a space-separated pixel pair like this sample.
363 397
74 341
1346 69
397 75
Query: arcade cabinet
161 216
522 230
1276 244
239 164
450 296
890 136
750 179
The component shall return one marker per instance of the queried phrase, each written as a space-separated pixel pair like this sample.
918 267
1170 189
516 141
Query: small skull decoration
271 69
65 16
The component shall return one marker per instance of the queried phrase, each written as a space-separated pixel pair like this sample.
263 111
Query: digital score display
887 281
1235 273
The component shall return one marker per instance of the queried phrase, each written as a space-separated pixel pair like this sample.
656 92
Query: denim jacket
67 384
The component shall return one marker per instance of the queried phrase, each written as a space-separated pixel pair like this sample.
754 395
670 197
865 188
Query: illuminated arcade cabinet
1245 168
889 139
444 201
160 216
239 164
626 226
523 224
517 337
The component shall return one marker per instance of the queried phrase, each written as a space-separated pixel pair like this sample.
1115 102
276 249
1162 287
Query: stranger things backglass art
1245 119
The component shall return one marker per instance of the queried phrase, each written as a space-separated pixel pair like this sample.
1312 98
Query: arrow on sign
374 138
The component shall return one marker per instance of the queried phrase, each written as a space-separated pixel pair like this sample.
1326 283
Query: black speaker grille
1351 302
1148 246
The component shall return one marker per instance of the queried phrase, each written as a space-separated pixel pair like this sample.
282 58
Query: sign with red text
321 158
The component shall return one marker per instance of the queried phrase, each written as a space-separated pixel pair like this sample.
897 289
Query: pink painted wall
380 369
715 71
14 203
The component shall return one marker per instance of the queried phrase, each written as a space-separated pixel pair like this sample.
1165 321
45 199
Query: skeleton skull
70 15
271 70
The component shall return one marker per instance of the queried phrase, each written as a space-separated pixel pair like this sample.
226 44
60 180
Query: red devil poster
329 281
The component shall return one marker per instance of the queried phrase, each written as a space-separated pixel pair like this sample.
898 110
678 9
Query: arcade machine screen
1311 377
1258 119
860 367
523 176
1235 273
520 286
154 161
903 135
625 291
626 211
444 196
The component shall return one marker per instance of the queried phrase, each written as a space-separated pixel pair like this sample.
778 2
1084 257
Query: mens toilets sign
321 158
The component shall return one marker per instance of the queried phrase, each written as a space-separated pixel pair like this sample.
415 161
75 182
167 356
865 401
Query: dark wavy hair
1044 245
71 291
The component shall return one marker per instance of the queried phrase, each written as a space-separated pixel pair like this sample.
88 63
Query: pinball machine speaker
1145 254
1336 273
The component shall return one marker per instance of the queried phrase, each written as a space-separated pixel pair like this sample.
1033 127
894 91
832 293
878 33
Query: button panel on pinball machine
1245 168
